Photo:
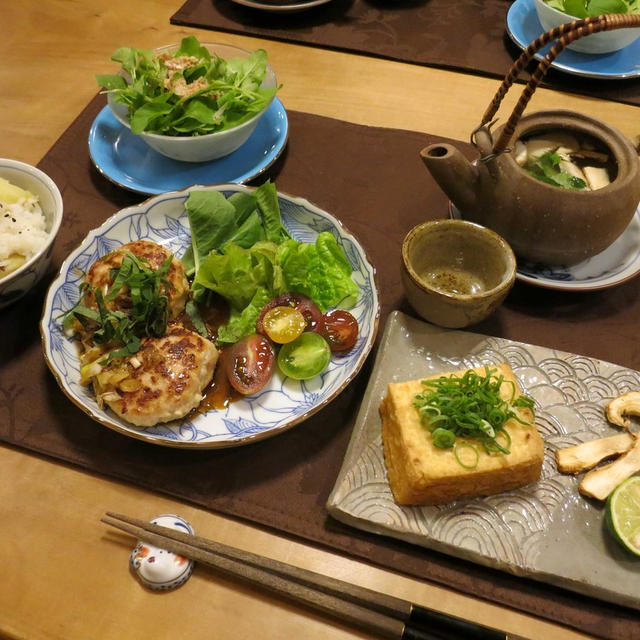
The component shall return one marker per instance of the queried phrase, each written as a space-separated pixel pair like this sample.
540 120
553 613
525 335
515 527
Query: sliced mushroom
587 154
537 147
572 169
520 154
625 405
587 455
599 483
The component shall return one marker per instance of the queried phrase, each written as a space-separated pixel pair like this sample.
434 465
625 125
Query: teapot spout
455 175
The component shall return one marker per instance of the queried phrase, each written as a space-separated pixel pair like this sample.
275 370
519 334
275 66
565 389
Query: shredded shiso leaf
118 330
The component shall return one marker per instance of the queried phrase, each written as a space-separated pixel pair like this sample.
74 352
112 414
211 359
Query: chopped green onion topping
443 438
464 460
470 406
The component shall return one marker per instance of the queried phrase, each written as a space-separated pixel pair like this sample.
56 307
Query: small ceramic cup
456 273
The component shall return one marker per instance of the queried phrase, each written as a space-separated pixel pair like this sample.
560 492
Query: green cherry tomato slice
283 324
306 357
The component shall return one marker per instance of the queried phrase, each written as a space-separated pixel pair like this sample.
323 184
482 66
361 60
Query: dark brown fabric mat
375 183
465 35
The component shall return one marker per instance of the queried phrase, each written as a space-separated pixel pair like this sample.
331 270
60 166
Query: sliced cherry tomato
306 357
283 324
306 306
310 310
249 363
339 328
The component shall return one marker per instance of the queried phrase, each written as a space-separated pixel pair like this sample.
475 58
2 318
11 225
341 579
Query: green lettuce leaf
320 271
600 7
249 232
584 8
576 8
212 219
237 273
267 199
111 81
191 47
244 277
243 322
244 203
216 221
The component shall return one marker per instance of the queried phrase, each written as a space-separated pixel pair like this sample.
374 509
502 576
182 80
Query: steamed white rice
22 233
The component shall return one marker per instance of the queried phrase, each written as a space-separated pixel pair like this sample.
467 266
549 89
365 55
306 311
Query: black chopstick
368 610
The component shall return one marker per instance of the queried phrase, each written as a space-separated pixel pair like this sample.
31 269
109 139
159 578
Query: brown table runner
465 35
283 482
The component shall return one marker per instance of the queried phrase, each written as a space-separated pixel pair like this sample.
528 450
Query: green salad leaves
241 251
586 8
189 91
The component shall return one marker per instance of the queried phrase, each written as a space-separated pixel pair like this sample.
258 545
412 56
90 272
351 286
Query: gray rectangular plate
546 531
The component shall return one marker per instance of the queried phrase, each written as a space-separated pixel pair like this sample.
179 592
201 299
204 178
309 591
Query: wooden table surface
63 574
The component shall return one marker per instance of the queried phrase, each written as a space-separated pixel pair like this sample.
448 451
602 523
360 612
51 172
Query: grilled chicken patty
99 276
166 377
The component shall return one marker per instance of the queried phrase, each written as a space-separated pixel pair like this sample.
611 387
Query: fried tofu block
421 474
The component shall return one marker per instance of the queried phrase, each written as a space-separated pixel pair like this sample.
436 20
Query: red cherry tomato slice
306 306
340 329
249 363
283 324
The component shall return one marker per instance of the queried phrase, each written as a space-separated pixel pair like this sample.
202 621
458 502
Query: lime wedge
623 514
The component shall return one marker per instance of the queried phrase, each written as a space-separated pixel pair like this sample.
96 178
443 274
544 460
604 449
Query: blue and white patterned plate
524 27
125 159
613 266
283 403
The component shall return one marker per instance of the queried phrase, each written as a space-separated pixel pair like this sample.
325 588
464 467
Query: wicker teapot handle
564 35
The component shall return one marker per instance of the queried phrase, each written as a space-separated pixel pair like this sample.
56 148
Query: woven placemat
465 35
373 180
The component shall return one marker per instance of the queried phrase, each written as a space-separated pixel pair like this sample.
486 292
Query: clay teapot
543 223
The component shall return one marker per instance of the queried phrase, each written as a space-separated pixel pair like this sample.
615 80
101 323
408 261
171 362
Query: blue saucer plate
524 27
126 160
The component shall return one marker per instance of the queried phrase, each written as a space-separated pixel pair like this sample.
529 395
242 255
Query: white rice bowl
23 233
17 283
